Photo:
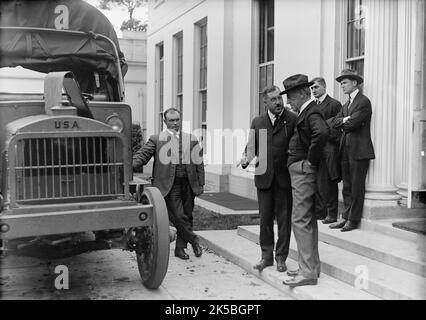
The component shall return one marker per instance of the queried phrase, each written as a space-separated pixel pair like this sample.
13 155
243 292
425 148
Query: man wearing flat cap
356 148
304 155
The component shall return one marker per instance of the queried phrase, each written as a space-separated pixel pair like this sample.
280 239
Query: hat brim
350 77
298 86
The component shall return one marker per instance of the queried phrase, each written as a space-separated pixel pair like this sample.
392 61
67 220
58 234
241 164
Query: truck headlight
115 122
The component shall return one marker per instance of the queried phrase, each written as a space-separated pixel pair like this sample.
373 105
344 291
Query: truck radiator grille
68 168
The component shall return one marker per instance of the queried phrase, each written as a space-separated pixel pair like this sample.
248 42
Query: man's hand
201 191
243 163
309 163
346 119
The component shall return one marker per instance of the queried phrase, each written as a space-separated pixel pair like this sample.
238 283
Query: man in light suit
328 176
305 152
268 141
356 148
178 173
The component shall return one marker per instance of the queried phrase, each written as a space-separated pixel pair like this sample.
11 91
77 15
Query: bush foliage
137 139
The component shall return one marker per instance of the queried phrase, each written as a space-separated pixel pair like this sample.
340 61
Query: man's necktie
318 102
277 119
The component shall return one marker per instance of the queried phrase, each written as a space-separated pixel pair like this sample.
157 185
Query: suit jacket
330 108
165 150
356 131
272 153
310 136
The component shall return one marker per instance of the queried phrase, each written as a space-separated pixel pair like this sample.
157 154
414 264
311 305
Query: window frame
200 76
265 57
355 60
203 83
178 71
159 83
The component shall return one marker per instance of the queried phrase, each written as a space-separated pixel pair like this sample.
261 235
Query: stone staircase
373 262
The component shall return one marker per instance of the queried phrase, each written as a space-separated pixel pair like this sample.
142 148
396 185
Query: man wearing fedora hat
305 149
356 148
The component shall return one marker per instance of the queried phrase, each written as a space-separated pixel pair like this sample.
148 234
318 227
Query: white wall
20 80
170 18
166 20
133 45
297 38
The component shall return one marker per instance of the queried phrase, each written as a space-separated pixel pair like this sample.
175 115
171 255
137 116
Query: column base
403 189
382 202
380 209
382 193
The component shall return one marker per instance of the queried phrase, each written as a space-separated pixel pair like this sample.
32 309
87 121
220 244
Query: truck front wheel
153 261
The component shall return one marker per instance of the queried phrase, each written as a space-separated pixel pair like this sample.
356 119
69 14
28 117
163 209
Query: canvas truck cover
46 51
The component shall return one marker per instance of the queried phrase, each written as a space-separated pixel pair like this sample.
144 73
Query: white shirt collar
272 116
303 107
322 98
176 134
353 94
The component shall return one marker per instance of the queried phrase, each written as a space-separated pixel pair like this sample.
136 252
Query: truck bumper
81 217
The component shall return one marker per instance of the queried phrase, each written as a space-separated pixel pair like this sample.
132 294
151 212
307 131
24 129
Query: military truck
65 153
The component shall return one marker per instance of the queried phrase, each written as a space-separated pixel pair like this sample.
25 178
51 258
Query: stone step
245 254
384 226
374 209
402 254
385 281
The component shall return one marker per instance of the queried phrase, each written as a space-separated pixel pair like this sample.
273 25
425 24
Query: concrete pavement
113 274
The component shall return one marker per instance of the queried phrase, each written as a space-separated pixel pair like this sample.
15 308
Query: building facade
211 58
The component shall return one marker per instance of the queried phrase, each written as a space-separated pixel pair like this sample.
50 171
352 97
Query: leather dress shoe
349 225
337 225
329 220
294 273
180 253
281 266
299 281
197 250
320 215
262 264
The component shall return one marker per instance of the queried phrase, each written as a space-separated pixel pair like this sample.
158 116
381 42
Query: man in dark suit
268 141
305 152
178 173
328 176
356 148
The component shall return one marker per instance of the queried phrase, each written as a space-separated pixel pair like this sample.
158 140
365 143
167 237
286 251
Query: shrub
137 139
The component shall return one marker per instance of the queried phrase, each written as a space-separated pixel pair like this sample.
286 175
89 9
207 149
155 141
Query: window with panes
266 47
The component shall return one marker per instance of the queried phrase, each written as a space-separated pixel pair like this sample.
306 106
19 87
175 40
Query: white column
404 91
380 87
